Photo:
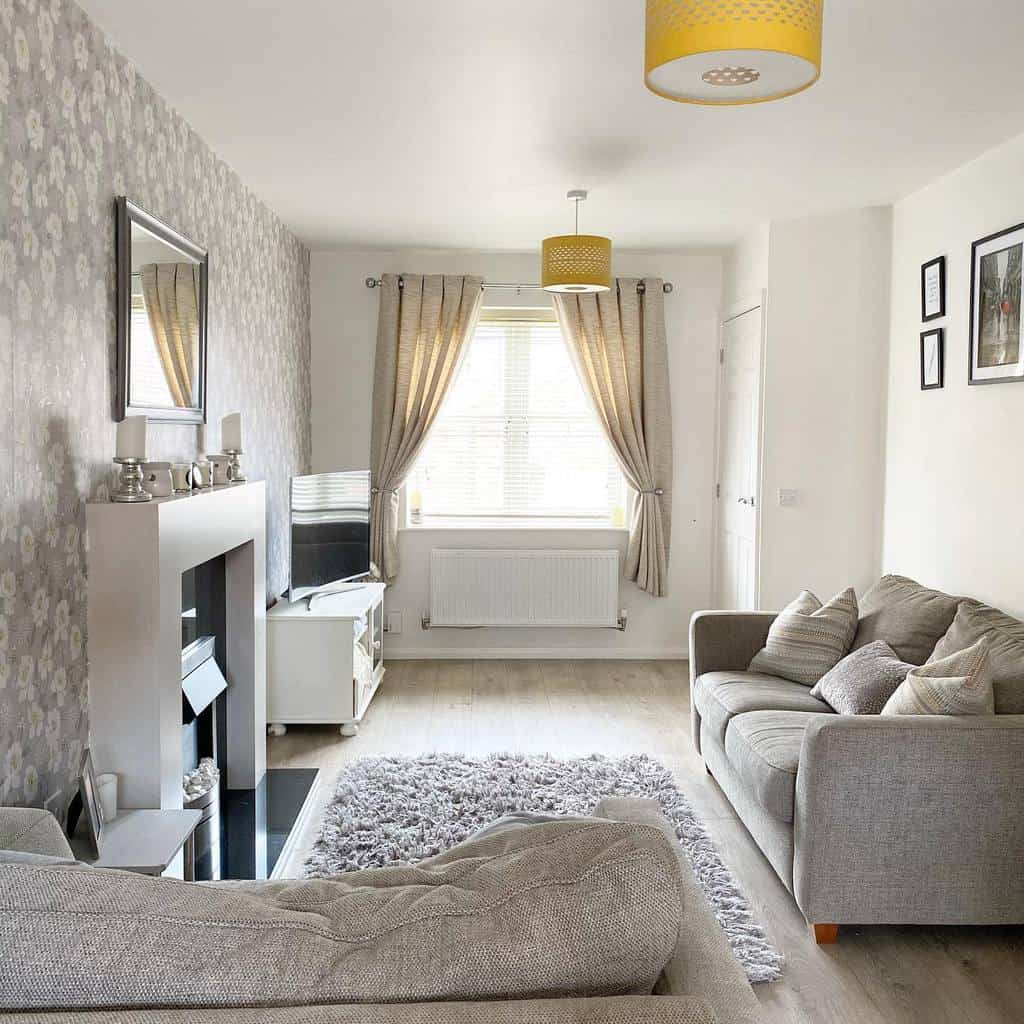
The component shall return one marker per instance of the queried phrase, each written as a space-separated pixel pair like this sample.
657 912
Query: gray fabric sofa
702 982
870 819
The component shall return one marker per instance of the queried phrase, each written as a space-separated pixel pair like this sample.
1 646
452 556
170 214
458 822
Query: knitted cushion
863 681
960 684
808 638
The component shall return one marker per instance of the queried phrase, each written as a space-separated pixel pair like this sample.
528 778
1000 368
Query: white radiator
523 588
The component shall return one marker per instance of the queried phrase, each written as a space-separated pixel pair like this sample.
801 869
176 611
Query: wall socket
393 622
788 497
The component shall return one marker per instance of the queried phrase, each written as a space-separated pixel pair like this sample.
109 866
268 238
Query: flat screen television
330 531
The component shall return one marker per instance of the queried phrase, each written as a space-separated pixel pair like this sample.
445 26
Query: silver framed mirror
162 280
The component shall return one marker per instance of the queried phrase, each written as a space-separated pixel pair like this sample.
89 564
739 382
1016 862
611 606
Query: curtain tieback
654 490
377 490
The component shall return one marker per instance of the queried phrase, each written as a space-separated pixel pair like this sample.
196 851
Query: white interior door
739 450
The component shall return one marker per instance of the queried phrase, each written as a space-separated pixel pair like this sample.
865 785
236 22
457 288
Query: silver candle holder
235 474
129 481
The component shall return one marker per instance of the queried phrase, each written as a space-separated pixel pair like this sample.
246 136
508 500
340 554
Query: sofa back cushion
1005 650
807 638
908 617
31 830
572 907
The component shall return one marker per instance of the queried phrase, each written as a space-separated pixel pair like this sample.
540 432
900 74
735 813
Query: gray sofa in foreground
61 924
870 819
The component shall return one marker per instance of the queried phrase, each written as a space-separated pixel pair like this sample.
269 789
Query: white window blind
517 439
149 385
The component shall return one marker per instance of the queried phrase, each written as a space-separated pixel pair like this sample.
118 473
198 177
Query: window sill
480 526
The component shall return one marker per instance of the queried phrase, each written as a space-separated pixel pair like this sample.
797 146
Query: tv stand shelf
314 675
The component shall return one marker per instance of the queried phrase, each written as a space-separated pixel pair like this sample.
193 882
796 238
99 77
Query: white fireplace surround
137 554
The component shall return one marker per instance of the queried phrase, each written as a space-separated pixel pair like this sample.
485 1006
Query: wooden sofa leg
825 934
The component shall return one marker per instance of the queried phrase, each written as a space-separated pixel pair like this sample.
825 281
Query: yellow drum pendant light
576 263
721 52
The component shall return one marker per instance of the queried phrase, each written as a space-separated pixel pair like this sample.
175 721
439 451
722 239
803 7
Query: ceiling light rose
725 52
576 263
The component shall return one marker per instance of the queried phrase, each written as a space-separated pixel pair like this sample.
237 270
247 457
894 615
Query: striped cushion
960 684
808 638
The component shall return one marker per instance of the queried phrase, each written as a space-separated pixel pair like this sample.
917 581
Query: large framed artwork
996 353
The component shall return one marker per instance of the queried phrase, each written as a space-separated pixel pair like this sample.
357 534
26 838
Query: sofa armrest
32 830
603 1010
704 966
723 641
910 820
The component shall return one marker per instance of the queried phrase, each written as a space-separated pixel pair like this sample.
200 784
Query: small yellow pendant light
723 52
576 263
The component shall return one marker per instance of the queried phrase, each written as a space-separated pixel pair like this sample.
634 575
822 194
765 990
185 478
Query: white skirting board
536 654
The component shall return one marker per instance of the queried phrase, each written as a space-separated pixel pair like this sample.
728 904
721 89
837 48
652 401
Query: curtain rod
375 282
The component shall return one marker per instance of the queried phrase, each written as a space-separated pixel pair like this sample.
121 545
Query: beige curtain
617 340
171 294
422 330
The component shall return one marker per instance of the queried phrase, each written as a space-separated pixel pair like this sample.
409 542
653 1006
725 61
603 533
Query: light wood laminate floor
873 974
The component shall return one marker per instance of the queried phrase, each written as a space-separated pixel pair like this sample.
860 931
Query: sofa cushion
959 684
764 749
807 638
863 681
908 617
32 830
1005 650
718 696
575 907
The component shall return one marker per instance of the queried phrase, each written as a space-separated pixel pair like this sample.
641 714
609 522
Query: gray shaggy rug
402 809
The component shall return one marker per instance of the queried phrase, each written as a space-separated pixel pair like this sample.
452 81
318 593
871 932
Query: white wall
344 318
954 479
745 267
827 317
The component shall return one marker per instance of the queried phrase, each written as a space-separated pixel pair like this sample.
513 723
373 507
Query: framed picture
933 289
996 352
932 344
91 807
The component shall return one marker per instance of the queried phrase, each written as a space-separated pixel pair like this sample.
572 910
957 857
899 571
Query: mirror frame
129 213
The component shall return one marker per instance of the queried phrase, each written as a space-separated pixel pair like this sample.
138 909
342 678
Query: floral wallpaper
78 127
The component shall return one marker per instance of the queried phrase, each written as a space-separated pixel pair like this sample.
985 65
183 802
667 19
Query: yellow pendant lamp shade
722 52
576 263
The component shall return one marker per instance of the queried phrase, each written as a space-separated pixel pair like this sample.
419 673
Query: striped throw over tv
808 638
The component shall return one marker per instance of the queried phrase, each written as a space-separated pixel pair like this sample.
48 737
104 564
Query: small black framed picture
933 289
91 807
997 308
932 359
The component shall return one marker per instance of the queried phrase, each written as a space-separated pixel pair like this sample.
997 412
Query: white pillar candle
231 432
131 438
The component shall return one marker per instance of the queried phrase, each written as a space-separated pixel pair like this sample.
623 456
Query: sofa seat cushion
718 696
570 907
908 617
764 749
1005 637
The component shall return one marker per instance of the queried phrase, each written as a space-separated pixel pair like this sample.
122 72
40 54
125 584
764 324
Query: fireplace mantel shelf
137 554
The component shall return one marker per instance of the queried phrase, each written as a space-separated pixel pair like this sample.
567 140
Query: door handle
746 501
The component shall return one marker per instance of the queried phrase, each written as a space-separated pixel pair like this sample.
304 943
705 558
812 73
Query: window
517 441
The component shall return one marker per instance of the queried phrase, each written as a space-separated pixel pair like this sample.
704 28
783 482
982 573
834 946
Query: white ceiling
461 123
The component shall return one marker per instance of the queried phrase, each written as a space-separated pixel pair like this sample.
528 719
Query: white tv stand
311 677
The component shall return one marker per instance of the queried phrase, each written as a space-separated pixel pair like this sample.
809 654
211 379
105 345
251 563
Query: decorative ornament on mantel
728 52
231 442
576 263
130 455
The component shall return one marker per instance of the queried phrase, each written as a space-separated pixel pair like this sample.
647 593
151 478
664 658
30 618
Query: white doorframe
749 304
